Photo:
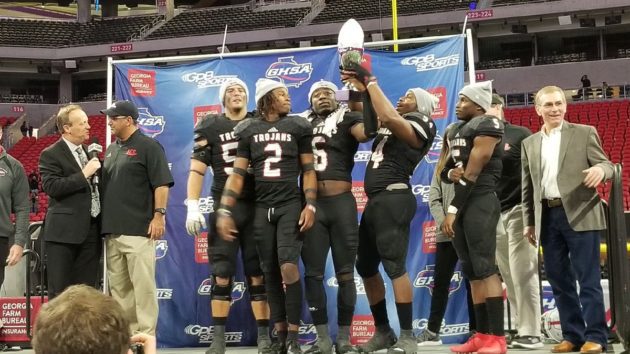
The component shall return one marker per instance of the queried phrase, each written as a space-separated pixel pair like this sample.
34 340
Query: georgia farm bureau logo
306 332
238 289
430 62
434 153
289 72
206 333
206 79
149 124
161 246
424 279
358 283
446 330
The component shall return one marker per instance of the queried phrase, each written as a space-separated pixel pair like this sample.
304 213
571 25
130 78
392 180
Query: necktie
96 203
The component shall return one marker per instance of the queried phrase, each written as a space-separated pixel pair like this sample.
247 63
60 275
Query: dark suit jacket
70 196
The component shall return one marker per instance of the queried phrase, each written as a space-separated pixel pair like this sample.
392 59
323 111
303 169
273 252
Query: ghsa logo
238 289
149 124
433 155
161 246
425 279
206 79
307 333
289 72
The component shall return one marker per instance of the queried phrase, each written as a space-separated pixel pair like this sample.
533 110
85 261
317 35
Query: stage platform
617 348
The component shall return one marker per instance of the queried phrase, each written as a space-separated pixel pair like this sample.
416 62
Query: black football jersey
273 150
461 138
334 145
218 130
392 160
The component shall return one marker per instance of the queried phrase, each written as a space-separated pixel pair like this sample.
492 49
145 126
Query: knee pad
257 293
394 269
346 299
221 292
366 270
222 267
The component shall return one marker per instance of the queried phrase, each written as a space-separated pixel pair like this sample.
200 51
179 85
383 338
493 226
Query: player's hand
195 221
157 226
307 217
226 227
530 234
447 225
455 174
15 254
349 78
593 176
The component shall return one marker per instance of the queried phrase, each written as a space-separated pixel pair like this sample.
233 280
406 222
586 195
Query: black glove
359 72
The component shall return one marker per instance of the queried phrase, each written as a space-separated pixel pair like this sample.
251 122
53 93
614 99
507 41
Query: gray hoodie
13 198
440 197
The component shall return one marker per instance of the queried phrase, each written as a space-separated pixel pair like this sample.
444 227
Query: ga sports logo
421 190
206 333
238 289
289 72
164 294
358 284
424 279
434 153
446 330
149 124
206 79
430 62
161 246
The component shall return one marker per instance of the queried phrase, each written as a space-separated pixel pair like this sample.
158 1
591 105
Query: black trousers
4 253
69 264
445 262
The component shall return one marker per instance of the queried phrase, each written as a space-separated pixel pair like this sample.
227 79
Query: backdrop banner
172 98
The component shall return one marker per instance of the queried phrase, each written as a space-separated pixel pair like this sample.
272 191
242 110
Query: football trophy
350 44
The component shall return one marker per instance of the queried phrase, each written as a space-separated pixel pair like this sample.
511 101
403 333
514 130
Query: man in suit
561 204
71 230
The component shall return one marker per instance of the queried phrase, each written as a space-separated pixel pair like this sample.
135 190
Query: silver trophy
350 49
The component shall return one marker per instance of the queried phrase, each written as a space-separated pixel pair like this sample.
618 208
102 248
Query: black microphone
93 150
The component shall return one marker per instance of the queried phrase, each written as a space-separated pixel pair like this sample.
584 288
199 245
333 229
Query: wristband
224 212
311 207
372 82
193 205
462 191
451 210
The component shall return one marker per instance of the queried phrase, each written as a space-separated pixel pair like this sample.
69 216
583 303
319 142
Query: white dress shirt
549 155
73 149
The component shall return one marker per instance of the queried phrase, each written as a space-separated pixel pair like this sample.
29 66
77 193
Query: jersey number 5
229 155
274 157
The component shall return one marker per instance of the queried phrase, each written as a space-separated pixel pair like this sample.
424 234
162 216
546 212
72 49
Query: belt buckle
554 203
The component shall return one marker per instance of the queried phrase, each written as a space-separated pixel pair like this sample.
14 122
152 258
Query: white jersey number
377 155
276 155
229 155
321 157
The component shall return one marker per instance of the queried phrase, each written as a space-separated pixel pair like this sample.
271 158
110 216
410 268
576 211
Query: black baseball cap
122 108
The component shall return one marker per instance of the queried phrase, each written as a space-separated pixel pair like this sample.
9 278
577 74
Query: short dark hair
81 320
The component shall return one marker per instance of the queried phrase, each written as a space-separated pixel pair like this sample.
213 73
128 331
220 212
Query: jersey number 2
276 155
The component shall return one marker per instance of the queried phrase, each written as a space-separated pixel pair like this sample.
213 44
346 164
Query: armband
224 212
230 193
308 167
197 172
239 171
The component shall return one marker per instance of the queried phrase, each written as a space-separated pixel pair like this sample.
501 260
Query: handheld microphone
93 150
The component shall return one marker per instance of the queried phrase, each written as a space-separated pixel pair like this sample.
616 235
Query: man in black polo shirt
516 257
136 180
